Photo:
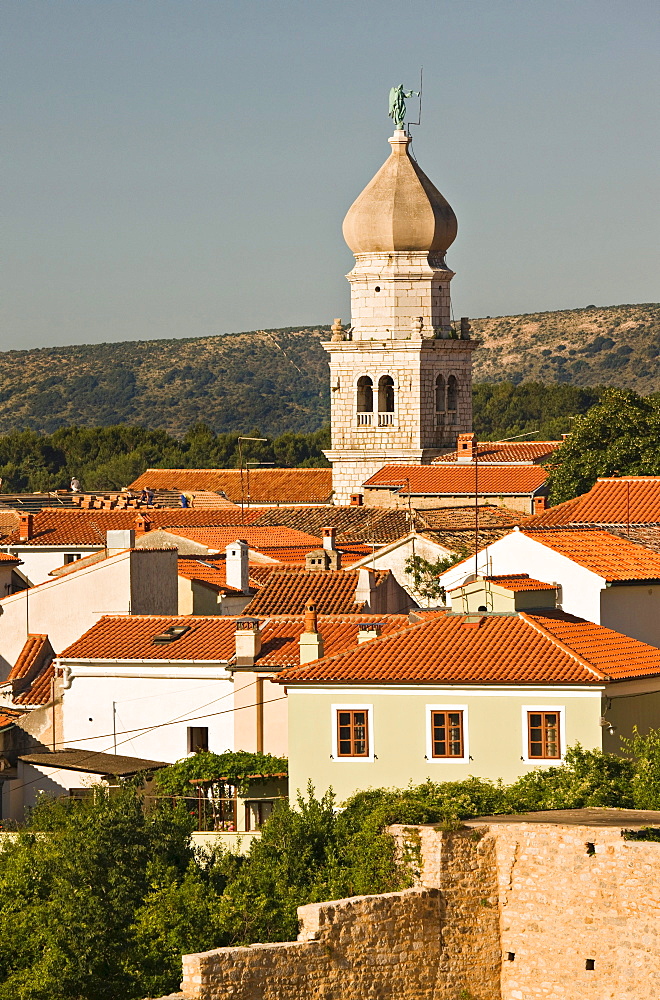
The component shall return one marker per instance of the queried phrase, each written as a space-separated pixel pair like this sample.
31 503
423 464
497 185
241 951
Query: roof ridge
547 634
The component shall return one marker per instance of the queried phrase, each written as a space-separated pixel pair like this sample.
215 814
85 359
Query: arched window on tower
452 398
365 400
385 401
440 403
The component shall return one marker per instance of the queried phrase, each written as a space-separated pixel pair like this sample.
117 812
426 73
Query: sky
181 168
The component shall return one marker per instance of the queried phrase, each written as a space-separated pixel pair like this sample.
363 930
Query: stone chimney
237 565
26 527
334 557
465 447
318 560
311 640
369 630
540 504
119 540
142 525
248 641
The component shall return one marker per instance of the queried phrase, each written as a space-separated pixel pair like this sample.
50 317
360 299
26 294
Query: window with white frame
447 733
352 732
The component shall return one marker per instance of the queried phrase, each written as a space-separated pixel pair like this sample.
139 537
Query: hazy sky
181 168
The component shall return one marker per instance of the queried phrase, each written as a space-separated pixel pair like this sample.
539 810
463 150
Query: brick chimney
540 504
369 630
311 640
248 641
357 500
237 565
334 560
465 447
142 525
26 527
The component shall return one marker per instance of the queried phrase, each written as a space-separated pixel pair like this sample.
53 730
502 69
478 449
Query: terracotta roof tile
609 556
8 558
32 650
8 716
212 638
378 525
260 538
630 499
288 591
88 527
286 486
548 648
39 692
459 480
507 451
518 582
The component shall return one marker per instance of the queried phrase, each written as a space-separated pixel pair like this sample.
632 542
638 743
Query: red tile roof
261 538
543 648
609 556
287 591
354 524
8 716
34 646
7 558
518 582
285 486
88 527
212 638
459 480
630 499
507 451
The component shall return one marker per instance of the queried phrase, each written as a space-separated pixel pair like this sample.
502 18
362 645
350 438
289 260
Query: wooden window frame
352 712
463 709
446 712
335 709
543 712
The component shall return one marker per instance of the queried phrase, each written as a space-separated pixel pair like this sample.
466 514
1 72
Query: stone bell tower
400 376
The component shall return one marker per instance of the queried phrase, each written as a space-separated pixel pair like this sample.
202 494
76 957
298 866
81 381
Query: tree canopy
620 435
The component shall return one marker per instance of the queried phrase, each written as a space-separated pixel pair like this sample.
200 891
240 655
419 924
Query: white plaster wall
65 607
394 558
38 562
144 702
517 553
632 610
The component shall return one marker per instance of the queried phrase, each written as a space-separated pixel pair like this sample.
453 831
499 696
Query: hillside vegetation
278 379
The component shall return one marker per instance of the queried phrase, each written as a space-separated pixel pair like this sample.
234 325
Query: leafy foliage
234 766
109 458
425 575
618 436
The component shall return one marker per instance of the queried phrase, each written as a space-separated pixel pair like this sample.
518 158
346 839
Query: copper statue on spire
397 111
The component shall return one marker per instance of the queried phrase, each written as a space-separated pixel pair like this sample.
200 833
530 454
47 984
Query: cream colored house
488 693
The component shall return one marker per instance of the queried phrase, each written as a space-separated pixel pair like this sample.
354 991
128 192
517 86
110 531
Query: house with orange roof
256 487
468 449
158 687
598 575
490 693
518 486
621 501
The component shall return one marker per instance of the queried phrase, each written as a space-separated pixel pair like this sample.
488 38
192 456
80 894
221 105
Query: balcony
385 419
365 419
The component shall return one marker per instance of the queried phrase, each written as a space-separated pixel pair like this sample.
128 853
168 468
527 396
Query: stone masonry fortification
504 911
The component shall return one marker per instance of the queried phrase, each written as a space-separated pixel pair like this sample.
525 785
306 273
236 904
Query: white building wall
38 561
517 553
394 558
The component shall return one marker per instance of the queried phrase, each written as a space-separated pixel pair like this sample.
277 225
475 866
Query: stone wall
384 946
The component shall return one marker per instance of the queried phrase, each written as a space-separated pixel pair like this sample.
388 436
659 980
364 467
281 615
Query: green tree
618 436
425 575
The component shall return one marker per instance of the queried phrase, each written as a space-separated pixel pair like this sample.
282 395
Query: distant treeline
109 458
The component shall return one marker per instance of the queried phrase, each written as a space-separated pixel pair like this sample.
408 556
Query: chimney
311 640
248 641
237 565
334 556
317 560
465 447
26 527
118 541
357 500
540 504
142 525
369 630
364 592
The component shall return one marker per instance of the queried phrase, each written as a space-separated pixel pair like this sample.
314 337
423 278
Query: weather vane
397 108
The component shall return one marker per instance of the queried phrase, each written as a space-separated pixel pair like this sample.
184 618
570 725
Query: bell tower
401 375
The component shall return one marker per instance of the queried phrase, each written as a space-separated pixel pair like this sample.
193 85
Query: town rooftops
615 559
288 590
266 486
625 500
212 638
547 647
459 480
497 452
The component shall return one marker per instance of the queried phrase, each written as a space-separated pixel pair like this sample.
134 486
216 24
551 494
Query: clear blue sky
182 167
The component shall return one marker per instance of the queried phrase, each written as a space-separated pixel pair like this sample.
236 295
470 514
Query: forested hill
278 380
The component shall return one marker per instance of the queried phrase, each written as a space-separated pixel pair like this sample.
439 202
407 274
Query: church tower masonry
401 376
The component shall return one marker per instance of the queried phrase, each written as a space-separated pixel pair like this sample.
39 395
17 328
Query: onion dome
400 209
